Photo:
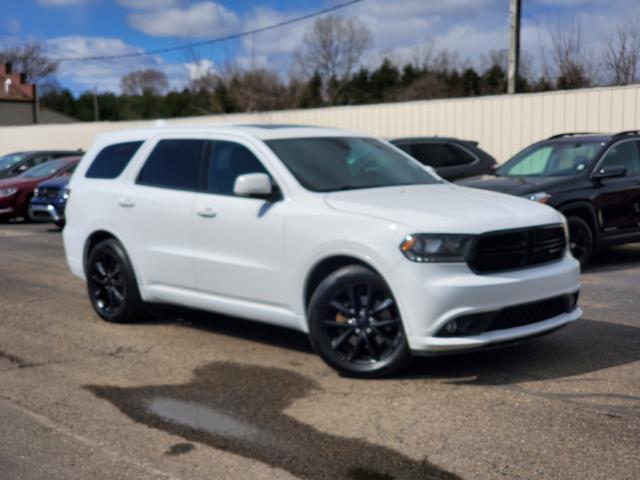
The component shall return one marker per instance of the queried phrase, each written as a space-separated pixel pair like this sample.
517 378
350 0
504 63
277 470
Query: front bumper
45 212
430 295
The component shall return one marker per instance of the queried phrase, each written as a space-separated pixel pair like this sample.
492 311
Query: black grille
514 249
50 192
511 317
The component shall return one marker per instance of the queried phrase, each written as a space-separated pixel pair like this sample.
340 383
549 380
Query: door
618 199
155 212
238 242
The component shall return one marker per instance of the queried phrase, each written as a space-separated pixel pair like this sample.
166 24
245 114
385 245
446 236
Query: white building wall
502 124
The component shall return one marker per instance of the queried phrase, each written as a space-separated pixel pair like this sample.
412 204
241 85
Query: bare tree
332 48
258 90
621 53
147 81
30 59
571 67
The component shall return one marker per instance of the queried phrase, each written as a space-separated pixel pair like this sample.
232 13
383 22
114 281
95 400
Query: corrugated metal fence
502 124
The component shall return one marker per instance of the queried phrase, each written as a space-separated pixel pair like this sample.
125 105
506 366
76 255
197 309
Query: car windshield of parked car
331 164
47 169
551 159
9 161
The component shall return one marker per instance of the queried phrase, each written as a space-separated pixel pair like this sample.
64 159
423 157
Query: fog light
451 327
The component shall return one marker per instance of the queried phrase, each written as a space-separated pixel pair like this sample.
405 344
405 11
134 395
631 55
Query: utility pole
514 44
96 110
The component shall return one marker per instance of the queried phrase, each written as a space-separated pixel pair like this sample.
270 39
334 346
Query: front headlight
436 248
7 192
540 197
66 193
36 192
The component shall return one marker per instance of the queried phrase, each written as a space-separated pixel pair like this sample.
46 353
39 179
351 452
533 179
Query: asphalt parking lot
194 396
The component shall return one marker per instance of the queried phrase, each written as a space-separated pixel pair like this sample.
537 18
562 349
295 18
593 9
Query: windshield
47 169
9 161
551 159
340 163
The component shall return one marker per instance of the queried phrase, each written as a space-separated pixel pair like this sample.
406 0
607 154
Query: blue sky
72 28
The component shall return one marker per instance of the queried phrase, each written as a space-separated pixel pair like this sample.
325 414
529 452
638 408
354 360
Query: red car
16 192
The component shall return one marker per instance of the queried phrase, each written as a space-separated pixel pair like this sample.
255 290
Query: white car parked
325 231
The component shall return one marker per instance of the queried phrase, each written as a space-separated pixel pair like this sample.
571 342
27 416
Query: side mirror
610 172
257 185
22 168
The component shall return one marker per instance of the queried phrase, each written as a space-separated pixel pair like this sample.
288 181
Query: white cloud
106 75
203 20
148 4
61 3
199 69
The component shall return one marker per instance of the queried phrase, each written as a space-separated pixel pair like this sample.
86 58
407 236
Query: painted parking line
15 233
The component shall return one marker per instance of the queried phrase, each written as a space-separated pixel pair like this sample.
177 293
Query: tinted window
343 163
9 161
46 170
112 160
32 162
173 164
440 155
229 160
625 155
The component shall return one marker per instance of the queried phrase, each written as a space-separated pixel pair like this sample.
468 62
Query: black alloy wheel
355 324
580 240
111 283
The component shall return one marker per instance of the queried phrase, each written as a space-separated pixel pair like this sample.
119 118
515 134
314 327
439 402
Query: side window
35 161
624 154
440 155
174 164
227 161
112 160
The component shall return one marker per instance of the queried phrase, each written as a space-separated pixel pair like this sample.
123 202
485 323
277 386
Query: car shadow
231 326
582 347
615 259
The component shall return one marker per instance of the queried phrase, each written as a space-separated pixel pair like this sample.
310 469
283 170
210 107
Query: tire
111 283
357 339
580 240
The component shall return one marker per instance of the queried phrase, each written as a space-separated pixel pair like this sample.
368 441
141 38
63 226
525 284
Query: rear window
174 164
112 160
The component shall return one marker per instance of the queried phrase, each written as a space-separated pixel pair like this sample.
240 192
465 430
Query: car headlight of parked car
540 197
7 192
36 192
66 193
428 248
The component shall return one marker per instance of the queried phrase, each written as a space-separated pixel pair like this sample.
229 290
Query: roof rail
626 132
570 134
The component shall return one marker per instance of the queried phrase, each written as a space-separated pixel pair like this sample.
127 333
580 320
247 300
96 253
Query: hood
55 182
515 185
444 208
19 182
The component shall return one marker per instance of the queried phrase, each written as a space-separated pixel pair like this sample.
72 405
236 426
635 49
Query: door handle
126 202
207 213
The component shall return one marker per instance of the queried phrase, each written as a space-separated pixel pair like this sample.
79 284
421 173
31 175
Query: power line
233 36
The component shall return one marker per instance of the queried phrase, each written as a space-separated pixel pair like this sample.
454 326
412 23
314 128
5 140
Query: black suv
593 179
15 163
452 158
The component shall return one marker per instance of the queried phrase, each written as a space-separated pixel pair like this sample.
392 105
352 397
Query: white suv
329 232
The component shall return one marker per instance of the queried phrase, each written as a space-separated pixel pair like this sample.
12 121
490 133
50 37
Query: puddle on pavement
240 408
